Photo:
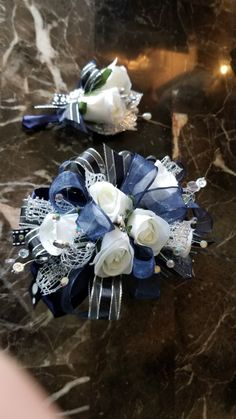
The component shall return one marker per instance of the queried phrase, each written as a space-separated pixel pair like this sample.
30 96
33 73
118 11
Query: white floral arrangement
104 102
105 220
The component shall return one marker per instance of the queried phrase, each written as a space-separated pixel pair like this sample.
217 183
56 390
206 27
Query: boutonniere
103 102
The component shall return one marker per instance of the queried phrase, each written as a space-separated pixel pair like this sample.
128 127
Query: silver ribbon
105 298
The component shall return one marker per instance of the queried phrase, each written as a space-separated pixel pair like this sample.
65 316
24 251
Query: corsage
109 220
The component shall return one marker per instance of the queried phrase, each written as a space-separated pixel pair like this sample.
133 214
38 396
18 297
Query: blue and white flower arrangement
107 219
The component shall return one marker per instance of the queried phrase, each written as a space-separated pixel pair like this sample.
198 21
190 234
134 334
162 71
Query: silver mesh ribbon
78 255
91 178
52 276
33 211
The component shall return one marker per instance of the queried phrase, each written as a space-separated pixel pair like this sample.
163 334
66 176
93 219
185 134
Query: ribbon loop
105 299
71 188
166 203
141 174
93 221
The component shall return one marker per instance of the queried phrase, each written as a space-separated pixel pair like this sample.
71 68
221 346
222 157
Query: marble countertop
171 358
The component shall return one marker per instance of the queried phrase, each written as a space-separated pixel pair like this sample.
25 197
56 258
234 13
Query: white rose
105 107
118 78
110 199
116 255
148 229
164 178
63 229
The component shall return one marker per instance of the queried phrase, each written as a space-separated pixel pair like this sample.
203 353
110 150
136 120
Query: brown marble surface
172 358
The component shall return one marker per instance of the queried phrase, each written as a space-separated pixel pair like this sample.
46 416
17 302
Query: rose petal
62 229
144 220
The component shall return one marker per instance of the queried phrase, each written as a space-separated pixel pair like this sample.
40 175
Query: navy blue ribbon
167 203
93 221
72 188
144 262
139 177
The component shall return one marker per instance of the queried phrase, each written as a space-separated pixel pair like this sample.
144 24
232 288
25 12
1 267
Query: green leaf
132 198
128 214
104 76
128 229
82 107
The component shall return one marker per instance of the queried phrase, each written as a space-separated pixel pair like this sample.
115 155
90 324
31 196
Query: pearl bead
59 197
203 244
170 263
64 281
35 289
177 251
147 116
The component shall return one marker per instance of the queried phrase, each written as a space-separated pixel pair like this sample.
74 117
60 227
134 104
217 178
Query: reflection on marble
172 358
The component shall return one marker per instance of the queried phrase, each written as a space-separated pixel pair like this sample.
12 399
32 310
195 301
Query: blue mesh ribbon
166 203
93 221
72 188
139 177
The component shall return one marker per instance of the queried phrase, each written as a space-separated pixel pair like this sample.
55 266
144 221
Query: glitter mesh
91 178
179 237
50 275
78 254
37 209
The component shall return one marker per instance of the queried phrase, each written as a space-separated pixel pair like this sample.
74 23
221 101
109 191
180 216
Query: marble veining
171 358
